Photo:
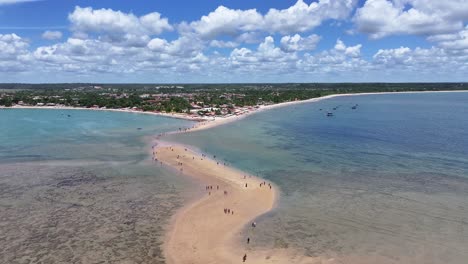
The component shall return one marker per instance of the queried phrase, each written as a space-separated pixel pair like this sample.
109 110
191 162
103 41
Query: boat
329 114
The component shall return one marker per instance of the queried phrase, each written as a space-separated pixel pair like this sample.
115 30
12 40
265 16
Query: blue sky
233 41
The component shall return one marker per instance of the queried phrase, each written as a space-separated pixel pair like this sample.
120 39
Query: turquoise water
79 187
384 183
30 134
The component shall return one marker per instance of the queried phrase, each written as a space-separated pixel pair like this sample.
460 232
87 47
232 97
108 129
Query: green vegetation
204 99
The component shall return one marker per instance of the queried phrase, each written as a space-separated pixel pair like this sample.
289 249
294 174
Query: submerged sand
202 232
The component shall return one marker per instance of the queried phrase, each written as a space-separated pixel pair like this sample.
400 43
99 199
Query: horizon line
192 83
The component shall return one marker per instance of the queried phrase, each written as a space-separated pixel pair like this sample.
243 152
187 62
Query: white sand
202 232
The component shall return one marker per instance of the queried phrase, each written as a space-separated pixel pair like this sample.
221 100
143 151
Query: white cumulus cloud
117 26
52 35
14 53
380 18
298 43
303 17
457 41
300 17
352 51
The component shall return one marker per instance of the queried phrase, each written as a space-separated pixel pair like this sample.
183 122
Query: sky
233 41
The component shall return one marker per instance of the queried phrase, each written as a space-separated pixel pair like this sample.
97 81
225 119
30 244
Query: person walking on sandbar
244 258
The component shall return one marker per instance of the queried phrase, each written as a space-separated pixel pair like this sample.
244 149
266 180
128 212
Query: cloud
11 2
116 26
380 18
11 46
338 59
155 24
14 53
115 43
353 51
225 21
401 55
184 46
298 43
435 64
300 17
457 41
52 35
266 55
223 44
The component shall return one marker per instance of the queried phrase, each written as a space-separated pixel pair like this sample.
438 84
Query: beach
210 122
203 232
217 121
343 191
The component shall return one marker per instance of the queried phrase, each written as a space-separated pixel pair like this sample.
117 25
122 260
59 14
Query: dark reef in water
71 214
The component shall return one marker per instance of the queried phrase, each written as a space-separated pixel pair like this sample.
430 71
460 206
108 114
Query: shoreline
206 123
214 122
171 115
189 225
199 232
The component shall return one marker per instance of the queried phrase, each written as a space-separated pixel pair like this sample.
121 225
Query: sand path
202 232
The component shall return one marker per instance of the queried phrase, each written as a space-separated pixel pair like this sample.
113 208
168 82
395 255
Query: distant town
191 100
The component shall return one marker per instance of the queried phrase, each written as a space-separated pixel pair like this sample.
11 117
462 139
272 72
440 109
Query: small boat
139 128
354 107
329 114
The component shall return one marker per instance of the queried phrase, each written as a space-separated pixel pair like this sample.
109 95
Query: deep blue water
387 181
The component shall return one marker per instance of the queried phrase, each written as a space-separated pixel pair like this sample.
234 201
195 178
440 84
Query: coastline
217 121
171 115
222 245
206 123
203 218
232 249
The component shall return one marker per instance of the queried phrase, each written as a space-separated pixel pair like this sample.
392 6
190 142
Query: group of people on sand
264 183
228 211
210 187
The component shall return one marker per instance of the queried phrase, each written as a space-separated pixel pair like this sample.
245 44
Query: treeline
179 98
244 86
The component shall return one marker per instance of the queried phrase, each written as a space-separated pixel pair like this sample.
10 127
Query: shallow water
83 189
384 183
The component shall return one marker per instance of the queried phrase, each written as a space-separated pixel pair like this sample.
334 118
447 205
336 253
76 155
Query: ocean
79 186
386 182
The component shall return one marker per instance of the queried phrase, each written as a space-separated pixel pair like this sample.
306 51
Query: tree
6 101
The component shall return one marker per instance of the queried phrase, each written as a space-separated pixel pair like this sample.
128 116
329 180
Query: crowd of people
210 188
